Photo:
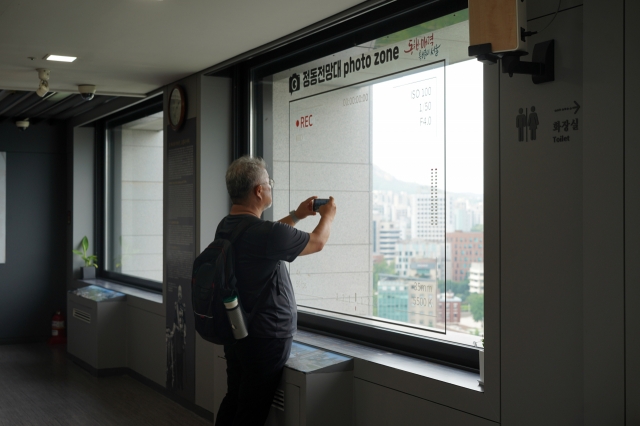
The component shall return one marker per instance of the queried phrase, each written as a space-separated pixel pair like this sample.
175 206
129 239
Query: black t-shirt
260 254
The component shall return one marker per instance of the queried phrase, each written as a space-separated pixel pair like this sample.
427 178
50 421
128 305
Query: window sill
129 291
413 366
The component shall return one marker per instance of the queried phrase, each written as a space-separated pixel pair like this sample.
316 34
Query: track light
43 88
23 124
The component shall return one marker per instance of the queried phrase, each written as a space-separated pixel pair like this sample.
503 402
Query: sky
420 117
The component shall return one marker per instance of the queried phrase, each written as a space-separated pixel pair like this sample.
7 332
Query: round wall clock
177 106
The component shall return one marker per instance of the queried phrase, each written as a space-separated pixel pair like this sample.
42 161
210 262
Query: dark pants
254 369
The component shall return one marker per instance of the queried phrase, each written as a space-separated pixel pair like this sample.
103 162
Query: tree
476 301
459 288
383 267
477 228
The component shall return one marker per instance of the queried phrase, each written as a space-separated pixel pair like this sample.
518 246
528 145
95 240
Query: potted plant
90 265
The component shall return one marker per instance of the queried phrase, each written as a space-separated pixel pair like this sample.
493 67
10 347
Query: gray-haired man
255 363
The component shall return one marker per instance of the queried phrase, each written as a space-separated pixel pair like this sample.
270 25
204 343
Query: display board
180 254
393 123
392 129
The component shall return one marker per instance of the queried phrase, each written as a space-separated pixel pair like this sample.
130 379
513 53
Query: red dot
297 123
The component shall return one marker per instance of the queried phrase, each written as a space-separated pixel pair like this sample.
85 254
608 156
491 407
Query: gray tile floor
39 386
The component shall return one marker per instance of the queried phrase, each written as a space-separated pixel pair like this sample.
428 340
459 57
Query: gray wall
212 204
611 233
32 281
541 243
632 207
82 199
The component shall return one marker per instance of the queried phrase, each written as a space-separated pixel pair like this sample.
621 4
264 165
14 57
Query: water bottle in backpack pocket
236 317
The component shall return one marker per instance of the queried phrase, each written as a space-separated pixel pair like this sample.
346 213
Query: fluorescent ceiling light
60 58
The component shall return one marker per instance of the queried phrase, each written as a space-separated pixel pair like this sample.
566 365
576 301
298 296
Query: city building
407 250
422 301
476 278
385 236
393 298
428 220
424 268
448 308
408 299
463 219
466 248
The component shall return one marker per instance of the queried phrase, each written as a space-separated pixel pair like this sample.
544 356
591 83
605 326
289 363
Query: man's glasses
271 183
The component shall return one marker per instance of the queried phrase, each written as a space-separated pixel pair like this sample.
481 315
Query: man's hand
305 208
328 210
319 237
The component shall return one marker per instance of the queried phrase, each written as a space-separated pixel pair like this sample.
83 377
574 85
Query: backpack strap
239 230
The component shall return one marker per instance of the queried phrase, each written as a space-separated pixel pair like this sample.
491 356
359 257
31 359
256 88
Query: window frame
151 106
374 24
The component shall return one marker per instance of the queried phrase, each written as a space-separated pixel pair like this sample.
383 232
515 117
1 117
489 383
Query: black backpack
214 280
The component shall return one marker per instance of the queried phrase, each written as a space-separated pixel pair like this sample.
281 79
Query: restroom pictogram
527 124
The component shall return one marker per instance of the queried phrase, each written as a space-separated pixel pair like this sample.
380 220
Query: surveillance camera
43 74
87 91
22 124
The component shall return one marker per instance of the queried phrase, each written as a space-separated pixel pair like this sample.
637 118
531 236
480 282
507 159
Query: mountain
383 181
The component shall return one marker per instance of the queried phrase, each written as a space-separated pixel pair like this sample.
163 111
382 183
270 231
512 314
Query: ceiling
26 105
130 47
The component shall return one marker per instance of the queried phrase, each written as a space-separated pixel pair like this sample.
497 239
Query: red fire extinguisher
58 332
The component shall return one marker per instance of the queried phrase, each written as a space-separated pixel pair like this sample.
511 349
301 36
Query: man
255 363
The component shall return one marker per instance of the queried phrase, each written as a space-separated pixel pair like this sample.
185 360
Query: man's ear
257 190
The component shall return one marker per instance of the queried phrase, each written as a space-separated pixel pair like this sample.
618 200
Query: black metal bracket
484 53
541 68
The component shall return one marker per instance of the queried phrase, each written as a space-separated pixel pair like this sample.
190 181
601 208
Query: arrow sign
575 106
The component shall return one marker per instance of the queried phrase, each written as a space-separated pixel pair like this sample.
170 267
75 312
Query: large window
133 198
393 129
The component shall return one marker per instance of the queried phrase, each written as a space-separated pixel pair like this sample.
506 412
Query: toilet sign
564 123
527 123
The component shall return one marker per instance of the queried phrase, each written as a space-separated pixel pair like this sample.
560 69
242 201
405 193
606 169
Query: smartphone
319 202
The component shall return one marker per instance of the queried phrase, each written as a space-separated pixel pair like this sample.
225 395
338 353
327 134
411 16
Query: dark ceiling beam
69 112
22 114
86 106
118 104
64 113
4 94
57 105
21 98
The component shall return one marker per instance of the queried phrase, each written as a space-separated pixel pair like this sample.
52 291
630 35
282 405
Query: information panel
180 254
